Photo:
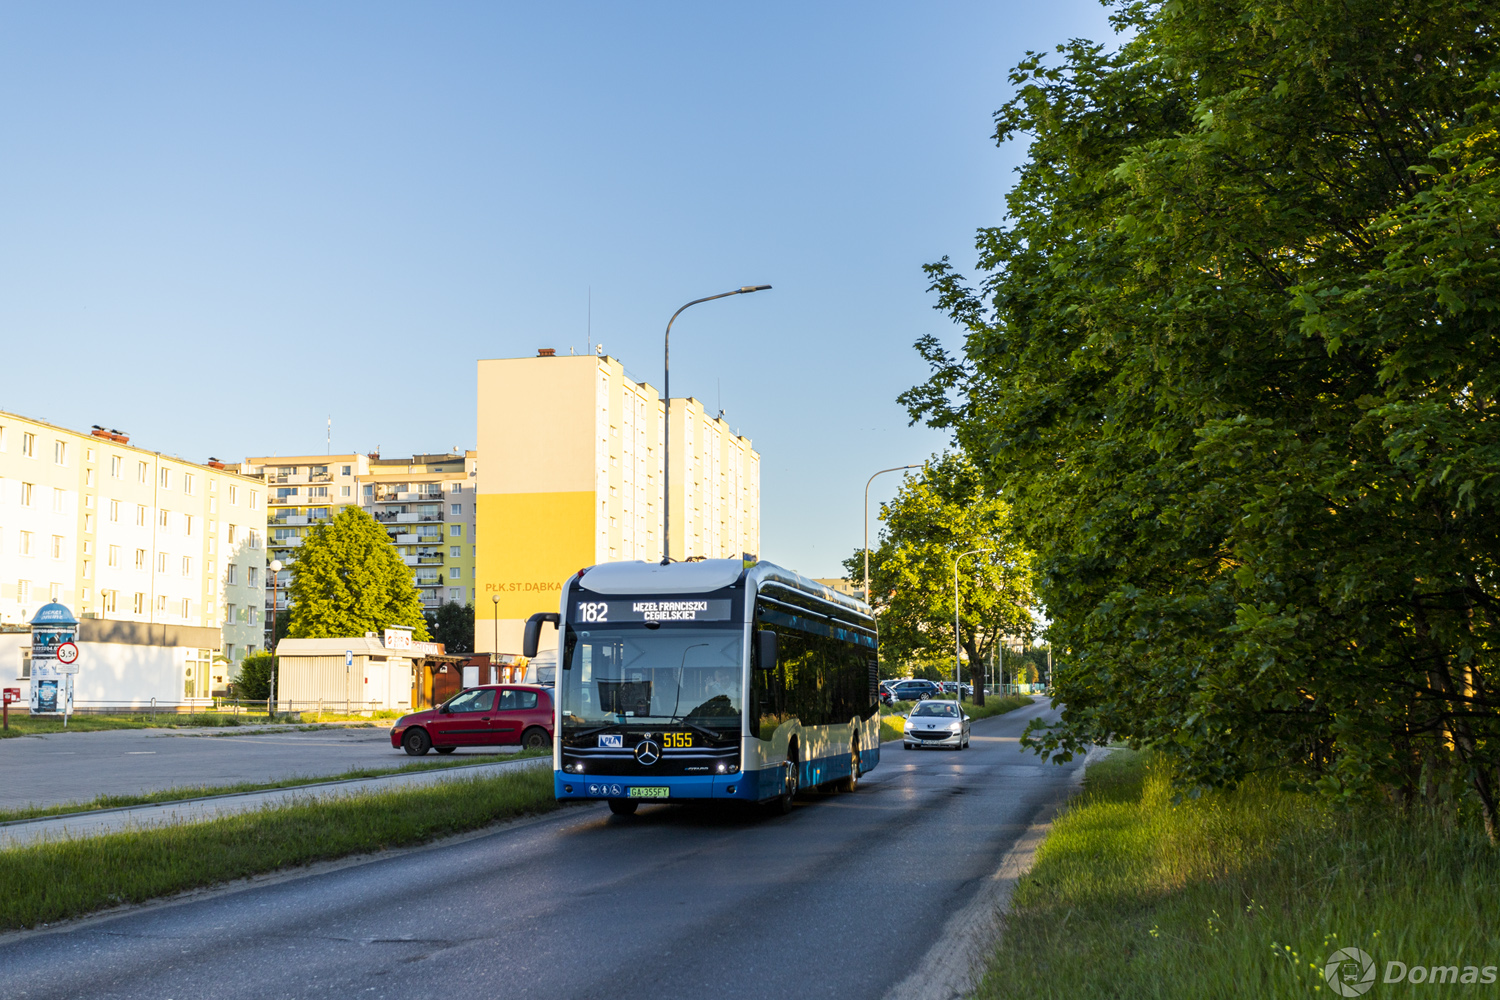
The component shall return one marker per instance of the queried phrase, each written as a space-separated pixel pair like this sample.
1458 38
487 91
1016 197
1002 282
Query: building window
114 557
107 601
254 499
161 602
317 491
165 479
161 562
231 574
346 470
88 477
187 524
254 615
254 537
187 483
57 546
252 576
142 472
88 569
23 590
213 504
186 607
138 605
456 530
25 549
88 522
455 509
25 494
455 551
164 519
60 452
140 558
229 651
232 529
140 515
234 494
456 594
58 503
114 466
187 565
345 491
54 591
454 573
114 510
28 445
231 609
369 490
455 487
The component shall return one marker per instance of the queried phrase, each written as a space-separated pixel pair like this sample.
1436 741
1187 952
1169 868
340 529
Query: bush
254 678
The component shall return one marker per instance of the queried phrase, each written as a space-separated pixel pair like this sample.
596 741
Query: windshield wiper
676 702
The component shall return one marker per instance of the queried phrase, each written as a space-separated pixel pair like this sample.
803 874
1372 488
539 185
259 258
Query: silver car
936 723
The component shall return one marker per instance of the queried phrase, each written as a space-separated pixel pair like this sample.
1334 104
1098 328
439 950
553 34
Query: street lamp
957 644
275 569
867 525
495 651
666 392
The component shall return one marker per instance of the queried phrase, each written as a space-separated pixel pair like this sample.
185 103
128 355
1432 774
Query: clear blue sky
221 223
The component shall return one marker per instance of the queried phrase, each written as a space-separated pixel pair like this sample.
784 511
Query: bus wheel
782 804
623 807
850 783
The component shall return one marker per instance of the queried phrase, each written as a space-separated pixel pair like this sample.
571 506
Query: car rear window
517 701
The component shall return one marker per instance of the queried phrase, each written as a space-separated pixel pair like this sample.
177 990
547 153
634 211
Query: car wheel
535 738
445 749
623 807
416 741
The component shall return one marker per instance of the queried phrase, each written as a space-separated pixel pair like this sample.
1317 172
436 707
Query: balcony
285 543
284 500
429 560
320 477
286 520
404 540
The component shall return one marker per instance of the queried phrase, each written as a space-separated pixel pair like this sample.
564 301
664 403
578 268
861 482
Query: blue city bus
709 680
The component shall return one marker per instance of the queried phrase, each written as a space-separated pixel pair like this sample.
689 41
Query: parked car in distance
489 715
949 687
914 690
936 723
886 697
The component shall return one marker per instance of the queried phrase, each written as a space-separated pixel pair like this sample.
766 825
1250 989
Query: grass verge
199 791
1244 893
893 720
63 879
26 725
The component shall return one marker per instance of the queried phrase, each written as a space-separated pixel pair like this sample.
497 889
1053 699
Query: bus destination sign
653 610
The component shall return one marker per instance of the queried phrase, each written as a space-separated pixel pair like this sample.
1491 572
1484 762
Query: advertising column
54 660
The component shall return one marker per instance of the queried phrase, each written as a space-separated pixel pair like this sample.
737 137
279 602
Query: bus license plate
638 792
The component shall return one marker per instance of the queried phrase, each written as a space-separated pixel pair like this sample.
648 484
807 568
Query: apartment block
426 504
117 532
573 453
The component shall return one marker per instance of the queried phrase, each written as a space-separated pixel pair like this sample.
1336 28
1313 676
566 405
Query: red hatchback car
493 715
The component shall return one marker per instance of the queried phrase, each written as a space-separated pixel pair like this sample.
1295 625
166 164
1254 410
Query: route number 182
593 612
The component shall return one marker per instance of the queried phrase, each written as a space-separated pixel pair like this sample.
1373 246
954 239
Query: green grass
199 791
26 725
893 721
1238 894
58 880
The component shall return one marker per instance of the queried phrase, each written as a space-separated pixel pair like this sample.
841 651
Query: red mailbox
11 694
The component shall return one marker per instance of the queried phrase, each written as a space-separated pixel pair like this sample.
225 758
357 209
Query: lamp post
275 568
666 392
882 472
957 643
495 651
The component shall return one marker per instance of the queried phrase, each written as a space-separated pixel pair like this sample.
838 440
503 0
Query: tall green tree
348 580
1234 361
934 519
453 626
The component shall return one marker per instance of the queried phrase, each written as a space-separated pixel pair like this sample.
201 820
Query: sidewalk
101 821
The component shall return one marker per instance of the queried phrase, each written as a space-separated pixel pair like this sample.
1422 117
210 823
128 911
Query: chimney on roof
545 352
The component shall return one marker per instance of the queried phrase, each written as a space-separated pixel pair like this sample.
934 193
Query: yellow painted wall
529 543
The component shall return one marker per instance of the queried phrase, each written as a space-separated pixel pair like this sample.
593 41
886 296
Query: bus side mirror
767 648
534 631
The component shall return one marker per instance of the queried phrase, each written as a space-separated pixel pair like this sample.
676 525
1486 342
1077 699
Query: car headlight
954 727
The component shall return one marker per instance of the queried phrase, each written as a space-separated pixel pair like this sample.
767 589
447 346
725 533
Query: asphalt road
840 899
76 767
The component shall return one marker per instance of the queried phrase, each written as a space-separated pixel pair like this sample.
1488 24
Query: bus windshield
657 676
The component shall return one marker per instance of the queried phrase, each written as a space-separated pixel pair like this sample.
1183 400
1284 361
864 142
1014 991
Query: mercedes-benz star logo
647 752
